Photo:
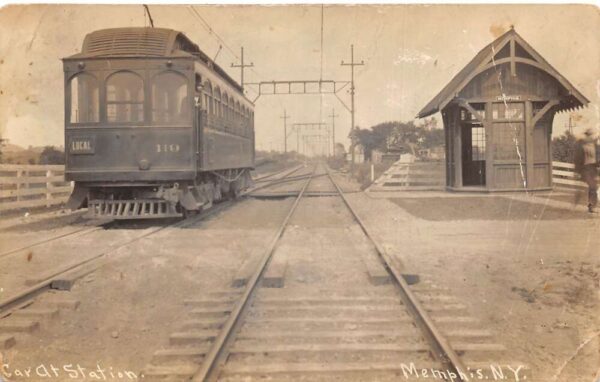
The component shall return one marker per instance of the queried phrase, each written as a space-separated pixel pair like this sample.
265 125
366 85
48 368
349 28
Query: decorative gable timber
509 48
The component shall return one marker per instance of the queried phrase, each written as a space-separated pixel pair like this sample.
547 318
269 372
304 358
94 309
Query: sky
410 53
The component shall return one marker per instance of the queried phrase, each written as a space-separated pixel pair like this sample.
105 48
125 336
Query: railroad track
382 330
72 233
265 177
63 277
80 231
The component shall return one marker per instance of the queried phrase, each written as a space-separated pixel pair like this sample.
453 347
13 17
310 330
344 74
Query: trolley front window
85 102
125 98
170 101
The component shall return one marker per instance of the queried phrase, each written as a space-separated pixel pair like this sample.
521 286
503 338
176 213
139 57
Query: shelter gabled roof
481 59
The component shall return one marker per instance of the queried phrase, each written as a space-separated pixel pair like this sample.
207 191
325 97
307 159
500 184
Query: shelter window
85 99
512 111
478 143
467 116
170 101
125 98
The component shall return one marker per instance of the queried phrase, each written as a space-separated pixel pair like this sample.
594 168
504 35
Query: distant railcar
153 127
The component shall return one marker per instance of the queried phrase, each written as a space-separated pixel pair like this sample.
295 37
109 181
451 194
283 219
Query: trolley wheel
233 194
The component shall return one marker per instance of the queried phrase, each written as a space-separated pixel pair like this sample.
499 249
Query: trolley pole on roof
285 117
242 66
149 15
352 64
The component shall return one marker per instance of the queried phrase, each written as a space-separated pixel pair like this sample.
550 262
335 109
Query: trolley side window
85 99
125 98
170 101
208 97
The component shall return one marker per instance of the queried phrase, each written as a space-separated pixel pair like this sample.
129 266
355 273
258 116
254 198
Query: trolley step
132 209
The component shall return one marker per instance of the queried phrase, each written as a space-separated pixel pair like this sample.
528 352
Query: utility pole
571 125
333 117
352 64
242 66
285 117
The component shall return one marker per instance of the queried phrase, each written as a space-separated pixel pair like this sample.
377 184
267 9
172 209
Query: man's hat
589 131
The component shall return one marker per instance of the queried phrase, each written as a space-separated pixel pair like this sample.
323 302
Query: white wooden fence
28 186
420 176
564 176
411 176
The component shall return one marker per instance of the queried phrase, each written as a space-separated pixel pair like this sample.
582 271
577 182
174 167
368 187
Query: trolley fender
77 197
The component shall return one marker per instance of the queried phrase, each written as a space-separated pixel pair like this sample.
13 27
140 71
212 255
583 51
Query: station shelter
497 113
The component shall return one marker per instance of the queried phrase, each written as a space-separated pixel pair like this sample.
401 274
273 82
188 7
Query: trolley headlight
144 164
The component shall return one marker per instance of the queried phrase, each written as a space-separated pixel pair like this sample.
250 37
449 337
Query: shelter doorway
473 154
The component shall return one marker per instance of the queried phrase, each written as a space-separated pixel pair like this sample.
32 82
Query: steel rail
81 231
217 353
293 179
24 297
15 301
263 178
442 349
9 222
273 181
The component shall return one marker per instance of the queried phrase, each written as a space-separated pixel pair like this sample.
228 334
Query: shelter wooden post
529 175
489 147
457 148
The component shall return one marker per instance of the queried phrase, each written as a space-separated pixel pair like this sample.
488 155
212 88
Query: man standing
586 164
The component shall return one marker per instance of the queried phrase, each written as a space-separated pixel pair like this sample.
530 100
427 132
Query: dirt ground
128 307
530 272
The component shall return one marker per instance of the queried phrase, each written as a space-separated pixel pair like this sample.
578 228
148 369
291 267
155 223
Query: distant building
339 150
378 156
433 154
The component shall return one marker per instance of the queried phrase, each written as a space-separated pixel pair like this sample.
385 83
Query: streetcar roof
137 42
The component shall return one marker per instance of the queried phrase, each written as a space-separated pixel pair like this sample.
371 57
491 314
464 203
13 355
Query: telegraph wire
213 32
221 41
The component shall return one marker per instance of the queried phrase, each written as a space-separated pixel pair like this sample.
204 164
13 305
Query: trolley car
153 127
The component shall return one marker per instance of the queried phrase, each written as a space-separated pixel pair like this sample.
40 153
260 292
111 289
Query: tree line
399 136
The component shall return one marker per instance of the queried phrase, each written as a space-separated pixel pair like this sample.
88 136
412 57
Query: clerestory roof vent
130 42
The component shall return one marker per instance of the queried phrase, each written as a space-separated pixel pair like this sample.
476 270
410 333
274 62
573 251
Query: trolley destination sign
82 145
